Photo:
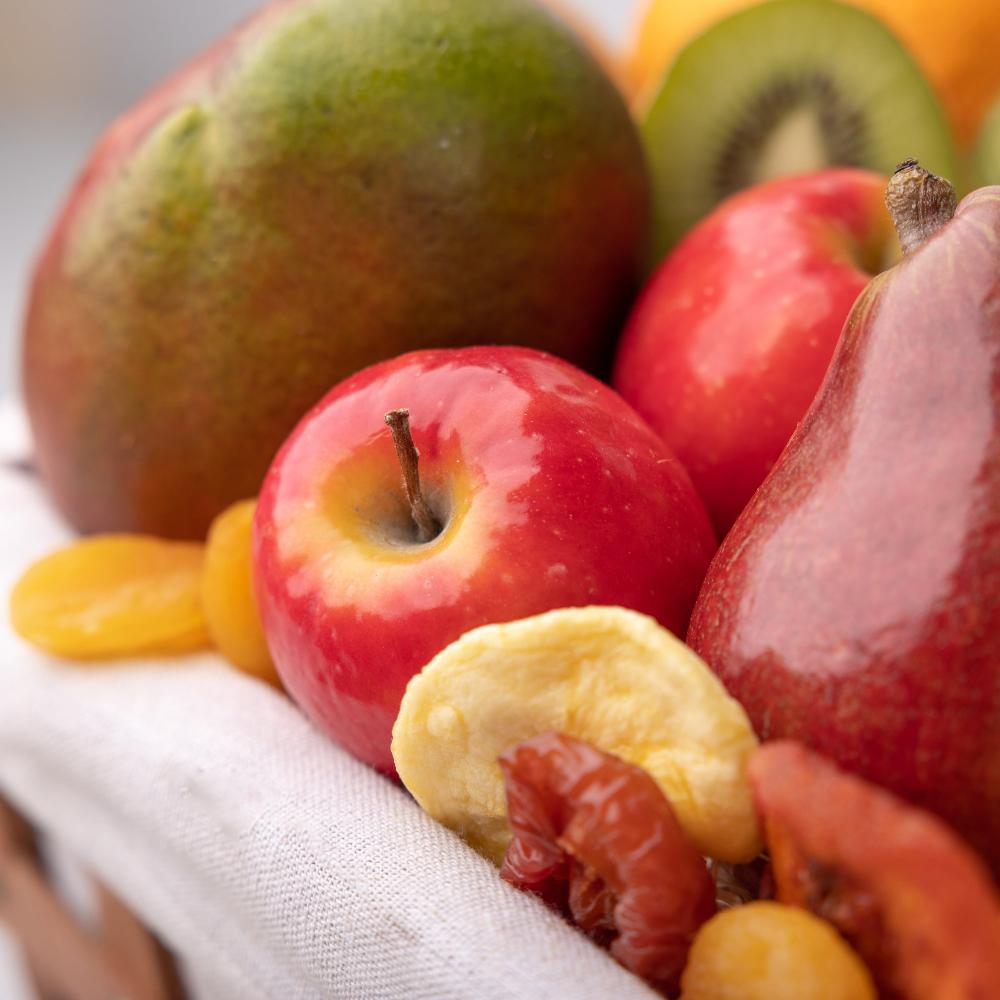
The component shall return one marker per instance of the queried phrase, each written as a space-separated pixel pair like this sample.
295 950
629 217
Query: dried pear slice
606 675
914 900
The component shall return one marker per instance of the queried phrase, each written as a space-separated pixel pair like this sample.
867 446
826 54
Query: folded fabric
272 863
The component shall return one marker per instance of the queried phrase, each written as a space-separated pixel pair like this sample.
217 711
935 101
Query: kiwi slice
785 87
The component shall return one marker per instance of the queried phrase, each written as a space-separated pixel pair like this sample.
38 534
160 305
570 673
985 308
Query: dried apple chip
917 904
606 675
111 596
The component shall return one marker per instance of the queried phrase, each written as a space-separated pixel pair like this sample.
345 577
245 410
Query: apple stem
919 202
427 524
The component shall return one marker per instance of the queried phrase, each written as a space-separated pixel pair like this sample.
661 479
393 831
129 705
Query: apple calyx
427 525
919 202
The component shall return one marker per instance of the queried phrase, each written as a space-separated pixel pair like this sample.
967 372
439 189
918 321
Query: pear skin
855 605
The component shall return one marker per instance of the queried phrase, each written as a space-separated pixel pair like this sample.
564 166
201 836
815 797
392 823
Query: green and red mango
334 183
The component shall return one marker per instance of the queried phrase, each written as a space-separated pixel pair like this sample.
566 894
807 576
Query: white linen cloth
272 863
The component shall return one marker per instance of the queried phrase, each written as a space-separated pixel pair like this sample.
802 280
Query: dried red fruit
917 904
596 837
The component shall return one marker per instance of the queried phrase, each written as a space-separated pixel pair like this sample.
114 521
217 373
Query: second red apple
730 341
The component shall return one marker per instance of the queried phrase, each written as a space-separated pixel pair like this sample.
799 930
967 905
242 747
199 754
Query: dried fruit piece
113 595
227 593
917 904
607 675
767 951
598 835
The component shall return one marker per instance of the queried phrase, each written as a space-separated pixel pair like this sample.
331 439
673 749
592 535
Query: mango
336 182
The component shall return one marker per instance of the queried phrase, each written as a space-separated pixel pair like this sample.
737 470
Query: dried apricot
113 595
607 675
917 904
767 951
597 836
227 593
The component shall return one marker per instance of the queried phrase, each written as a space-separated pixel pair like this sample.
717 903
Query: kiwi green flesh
786 87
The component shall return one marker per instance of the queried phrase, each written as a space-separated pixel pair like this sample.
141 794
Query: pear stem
919 202
426 523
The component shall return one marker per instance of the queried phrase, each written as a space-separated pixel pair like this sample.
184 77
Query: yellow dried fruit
112 596
606 675
768 951
227 593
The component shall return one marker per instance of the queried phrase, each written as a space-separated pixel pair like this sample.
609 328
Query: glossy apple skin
731 338
855 605
554 493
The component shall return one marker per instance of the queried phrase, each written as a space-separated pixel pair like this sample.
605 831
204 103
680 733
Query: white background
66 68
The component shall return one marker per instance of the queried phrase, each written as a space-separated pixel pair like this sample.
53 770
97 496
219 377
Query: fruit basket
697 644
270 862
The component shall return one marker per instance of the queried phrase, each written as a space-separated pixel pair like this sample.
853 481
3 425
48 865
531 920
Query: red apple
548 491
730 341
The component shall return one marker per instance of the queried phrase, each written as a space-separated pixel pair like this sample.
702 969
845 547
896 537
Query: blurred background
67 67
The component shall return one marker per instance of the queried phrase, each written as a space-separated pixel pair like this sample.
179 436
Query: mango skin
333 184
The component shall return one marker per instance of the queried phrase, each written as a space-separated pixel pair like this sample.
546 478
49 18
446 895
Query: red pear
855 605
